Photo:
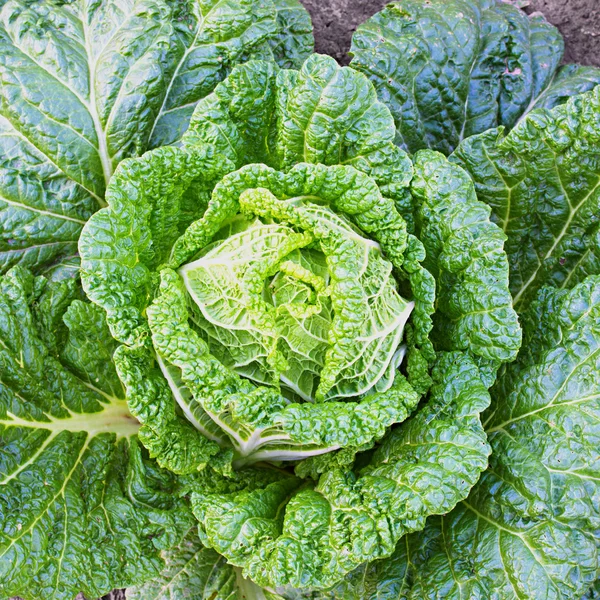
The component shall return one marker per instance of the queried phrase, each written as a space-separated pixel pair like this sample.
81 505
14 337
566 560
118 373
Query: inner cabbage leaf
268 315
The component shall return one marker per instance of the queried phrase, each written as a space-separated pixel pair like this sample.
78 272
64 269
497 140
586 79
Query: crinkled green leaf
169 437
294 40
323 114
529 528
214 35
122 244
81 507
465 253
542 181
449 69
256 421
83 86
386 579
312 536
194 572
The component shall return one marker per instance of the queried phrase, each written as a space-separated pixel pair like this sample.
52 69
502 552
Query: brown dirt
578 20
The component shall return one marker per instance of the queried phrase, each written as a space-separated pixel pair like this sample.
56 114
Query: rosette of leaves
279 323
449 69
85 85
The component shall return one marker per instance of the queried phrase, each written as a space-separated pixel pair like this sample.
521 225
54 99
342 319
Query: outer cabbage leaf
81 506
213 36
312 536
83 86
449 69
542 181
465 253
294 40
194 572
529 528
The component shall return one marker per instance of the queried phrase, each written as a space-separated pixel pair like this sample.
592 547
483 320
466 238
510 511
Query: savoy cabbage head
528 528
309 320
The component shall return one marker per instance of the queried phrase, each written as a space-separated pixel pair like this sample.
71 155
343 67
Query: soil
578 21
335 21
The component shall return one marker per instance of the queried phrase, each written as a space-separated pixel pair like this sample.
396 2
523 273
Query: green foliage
450 69
85 85
301 375
81 506
529 527
542 181
195 572
465 252
350 516
280 310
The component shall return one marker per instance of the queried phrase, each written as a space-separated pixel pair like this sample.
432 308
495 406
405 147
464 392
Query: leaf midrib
113 418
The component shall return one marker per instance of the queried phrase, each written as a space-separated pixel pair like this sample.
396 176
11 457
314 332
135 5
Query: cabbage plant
295 361
309 321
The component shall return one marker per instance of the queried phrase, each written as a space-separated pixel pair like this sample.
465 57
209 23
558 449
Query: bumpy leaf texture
449 69
368 314
542 181
346 517
195 572
295 533
81 506
529 527
83 86
465 252
160 195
